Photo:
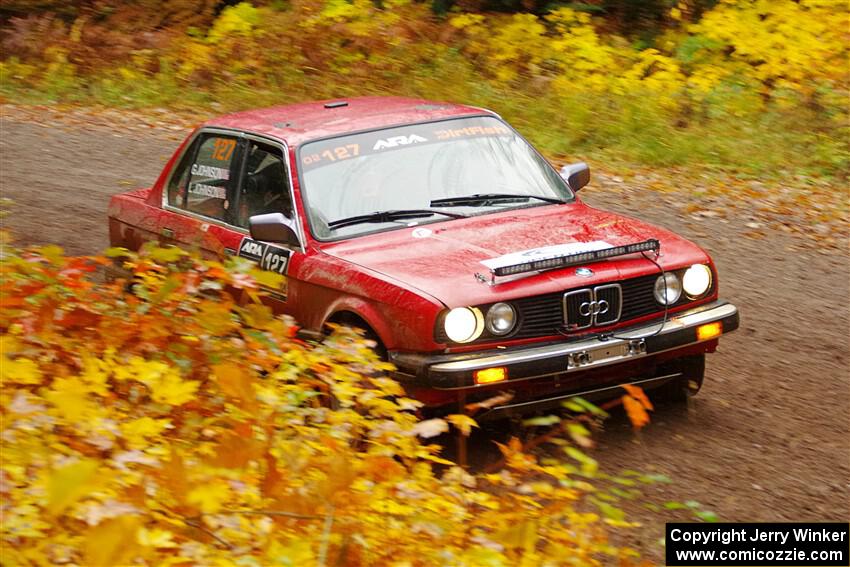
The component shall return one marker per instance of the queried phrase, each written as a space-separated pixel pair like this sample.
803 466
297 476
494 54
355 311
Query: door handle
168 233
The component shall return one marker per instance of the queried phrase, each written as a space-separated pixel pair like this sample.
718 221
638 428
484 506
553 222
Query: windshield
410 167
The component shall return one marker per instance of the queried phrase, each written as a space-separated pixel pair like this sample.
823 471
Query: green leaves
580 405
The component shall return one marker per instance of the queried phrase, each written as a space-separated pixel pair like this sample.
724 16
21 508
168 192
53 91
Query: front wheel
679 389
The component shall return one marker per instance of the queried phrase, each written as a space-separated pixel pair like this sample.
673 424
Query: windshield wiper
485 199
389 216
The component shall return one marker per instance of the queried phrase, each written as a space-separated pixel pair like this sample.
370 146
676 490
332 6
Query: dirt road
768 438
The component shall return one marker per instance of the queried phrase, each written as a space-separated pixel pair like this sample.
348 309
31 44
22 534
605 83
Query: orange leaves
235 382
637 405
236 451
173 427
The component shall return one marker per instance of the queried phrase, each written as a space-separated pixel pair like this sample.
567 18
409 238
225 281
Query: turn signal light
491 375
709 331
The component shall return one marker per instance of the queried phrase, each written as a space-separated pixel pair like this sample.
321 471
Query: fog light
709 331
668 289
500 319
491 375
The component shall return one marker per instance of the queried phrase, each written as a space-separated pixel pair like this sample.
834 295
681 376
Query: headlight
697 280
667 289
463 324
501 319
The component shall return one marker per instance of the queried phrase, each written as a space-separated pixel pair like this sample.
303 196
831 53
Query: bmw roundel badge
584 272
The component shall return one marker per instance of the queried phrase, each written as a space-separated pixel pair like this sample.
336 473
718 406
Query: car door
264 187
222 179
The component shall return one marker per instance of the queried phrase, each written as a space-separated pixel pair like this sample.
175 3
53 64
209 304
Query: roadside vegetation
752 87
184 424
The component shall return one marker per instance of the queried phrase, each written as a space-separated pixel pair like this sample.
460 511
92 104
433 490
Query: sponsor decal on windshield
327 152
396 141
472 131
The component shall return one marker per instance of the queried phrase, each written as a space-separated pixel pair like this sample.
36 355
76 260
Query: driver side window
265 187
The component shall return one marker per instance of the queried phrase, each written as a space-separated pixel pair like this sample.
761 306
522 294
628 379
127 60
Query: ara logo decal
397 141
251 249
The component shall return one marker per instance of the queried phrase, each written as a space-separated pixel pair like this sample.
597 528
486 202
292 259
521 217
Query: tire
678 390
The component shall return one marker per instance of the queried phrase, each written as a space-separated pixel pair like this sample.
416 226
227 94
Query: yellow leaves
269 279
462 422
106 461
234 381
210 496
215 317
111 543
71 399
234 20
68 484
792 42
522 535
139 432
466 21
164 381
171 389
19 371
155 537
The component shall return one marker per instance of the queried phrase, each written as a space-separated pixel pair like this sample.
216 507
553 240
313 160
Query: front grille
574 318
584 308
609 296
544 314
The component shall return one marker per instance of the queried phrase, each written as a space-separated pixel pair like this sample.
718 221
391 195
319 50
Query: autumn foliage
756 85
184 424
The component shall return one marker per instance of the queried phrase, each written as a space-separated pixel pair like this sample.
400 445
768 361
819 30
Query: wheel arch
350 318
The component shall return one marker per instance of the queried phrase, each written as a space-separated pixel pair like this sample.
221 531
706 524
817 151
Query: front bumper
449 372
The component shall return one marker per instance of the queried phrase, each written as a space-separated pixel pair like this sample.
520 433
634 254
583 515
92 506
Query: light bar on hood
563 261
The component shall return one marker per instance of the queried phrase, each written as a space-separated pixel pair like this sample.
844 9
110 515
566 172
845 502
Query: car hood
444 259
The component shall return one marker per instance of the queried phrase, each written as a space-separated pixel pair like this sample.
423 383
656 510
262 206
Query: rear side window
204 180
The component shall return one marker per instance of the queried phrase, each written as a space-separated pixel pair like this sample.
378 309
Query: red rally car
444 234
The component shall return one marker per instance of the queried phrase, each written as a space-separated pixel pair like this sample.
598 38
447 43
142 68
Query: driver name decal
208 190
211 171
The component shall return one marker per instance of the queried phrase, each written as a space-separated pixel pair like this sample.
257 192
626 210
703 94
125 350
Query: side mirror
273 227
577 175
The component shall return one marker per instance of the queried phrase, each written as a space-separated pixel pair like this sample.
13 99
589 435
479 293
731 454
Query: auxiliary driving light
491 375
697 280
464 324
501 319
668 289
709 331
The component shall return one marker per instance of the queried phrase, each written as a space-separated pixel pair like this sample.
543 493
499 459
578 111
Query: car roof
299 123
